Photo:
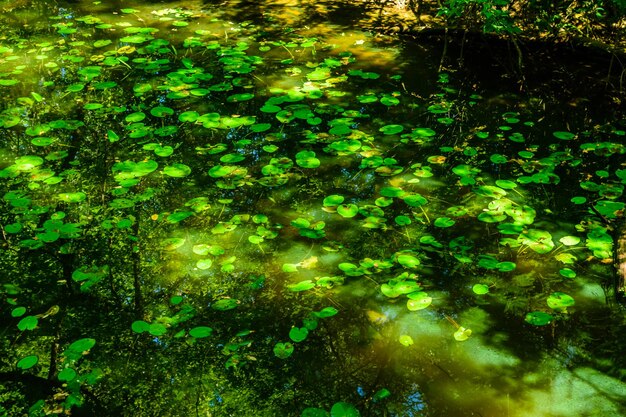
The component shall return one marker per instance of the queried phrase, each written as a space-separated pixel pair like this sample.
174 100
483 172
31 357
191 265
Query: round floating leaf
333 200
301 286
391 129
480 289
140 326
28 323
570 240
177 170
406 340
348 210
402 220
256 240
136 38
408 261
135 117
538 318
161 111
27 362
68 374
188 116
326 312
82 345
200 332
563 135
204 264
419 303
567 273
260 127
28 162
462 334
18 311
506 184
560 301
578 200
236 98
72 197
538 240
157 329
74 88
343 409
298 334
444 222
307 159
506 266
283 350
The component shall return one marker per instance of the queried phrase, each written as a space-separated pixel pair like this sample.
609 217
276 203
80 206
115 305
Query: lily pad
200 332
283 350
406 340
27 362
538 318
177 170
343 409
348 210
560 301
392 129
298 334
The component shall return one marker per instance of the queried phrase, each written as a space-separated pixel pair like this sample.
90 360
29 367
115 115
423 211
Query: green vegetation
205 216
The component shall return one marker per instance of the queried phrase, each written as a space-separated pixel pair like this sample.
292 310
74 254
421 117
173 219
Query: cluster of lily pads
134 136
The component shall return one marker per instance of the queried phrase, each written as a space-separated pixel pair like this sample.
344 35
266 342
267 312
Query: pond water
259 209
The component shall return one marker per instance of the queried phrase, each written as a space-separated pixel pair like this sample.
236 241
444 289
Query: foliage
200 217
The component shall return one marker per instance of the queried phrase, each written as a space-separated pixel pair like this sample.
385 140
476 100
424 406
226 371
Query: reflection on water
248 244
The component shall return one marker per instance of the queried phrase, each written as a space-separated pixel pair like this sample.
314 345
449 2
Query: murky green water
261 210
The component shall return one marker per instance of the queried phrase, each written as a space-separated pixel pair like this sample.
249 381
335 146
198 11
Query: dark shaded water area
262 209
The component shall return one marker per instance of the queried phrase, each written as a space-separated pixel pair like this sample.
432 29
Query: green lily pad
140 326
68 374
200 332
161 111
462 334
538 240
326 312
391 129
570 240
343 409
348 210
563 135
406 340
560 301
408 261
301 286
27 362
81 345
18 311
307 159
444 222
157 329
283 350
333 200
420 303
538 318
480 289
177 170
298 334
28 323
